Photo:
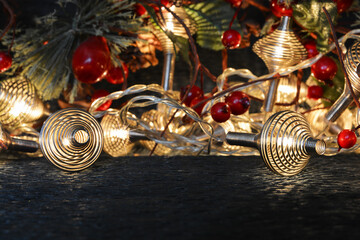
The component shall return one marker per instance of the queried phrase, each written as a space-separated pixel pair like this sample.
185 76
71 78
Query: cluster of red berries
91 62
194 96
140 9
236 103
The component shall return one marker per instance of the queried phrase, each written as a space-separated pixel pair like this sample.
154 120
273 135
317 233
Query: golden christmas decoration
285 142
71 139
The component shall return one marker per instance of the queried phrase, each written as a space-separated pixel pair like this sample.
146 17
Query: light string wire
169 99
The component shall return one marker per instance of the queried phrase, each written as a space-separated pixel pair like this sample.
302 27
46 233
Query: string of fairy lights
73 139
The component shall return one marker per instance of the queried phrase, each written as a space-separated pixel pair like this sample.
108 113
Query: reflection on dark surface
179 197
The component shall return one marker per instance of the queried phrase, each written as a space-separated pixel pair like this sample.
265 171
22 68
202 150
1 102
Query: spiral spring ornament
157 122
169 23
71 139
285 143
351 62
117 140
19 102
279 50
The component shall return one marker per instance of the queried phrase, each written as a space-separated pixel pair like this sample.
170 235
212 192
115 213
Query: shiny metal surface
285 143
71 139
169 24
279 50
351 62
19 102
116 135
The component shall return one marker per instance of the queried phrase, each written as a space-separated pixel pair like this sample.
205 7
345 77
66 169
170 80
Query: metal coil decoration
71 139
279 50
116 135
285 143
171 25
19 102
157 122
351 62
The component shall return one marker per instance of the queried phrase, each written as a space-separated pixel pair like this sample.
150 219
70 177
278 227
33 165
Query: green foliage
212 18
310 15
48 66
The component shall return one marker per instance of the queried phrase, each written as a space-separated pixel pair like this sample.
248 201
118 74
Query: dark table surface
179 198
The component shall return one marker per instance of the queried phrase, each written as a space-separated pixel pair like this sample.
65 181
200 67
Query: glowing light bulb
285 143
19 102
168 23
118 139
279 50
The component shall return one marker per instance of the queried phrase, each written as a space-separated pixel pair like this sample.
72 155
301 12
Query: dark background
181 197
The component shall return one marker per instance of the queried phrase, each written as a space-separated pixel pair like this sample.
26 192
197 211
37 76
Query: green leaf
310 15
212 18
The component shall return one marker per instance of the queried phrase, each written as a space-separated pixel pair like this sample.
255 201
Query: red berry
343 5
234 3
310 46
163 2
324 69
115 75
91 60
315 92
194 92
5 61
280 9
238 102
231 39
139 9
98 94
220 112
346 138
196 101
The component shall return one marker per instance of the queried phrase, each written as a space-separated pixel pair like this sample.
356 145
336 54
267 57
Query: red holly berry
324 69
315 92
346 138
220 112
280 9
310 46
98 94
343 5
231 39
140 10
5 61
238 102
234 3
194 92
195 101
163 2
91 60
115 75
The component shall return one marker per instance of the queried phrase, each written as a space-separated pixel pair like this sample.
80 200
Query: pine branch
43 54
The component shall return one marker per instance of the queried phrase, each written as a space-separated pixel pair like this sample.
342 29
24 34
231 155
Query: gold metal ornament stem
242 139
22 145
285 143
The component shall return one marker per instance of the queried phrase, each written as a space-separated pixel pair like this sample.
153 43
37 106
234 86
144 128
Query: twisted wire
61 146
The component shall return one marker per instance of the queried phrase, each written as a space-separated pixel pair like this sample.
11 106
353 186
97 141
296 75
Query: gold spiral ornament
19 102
285 143
279 50
156 121
71 139
116 135
351 62
168 23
